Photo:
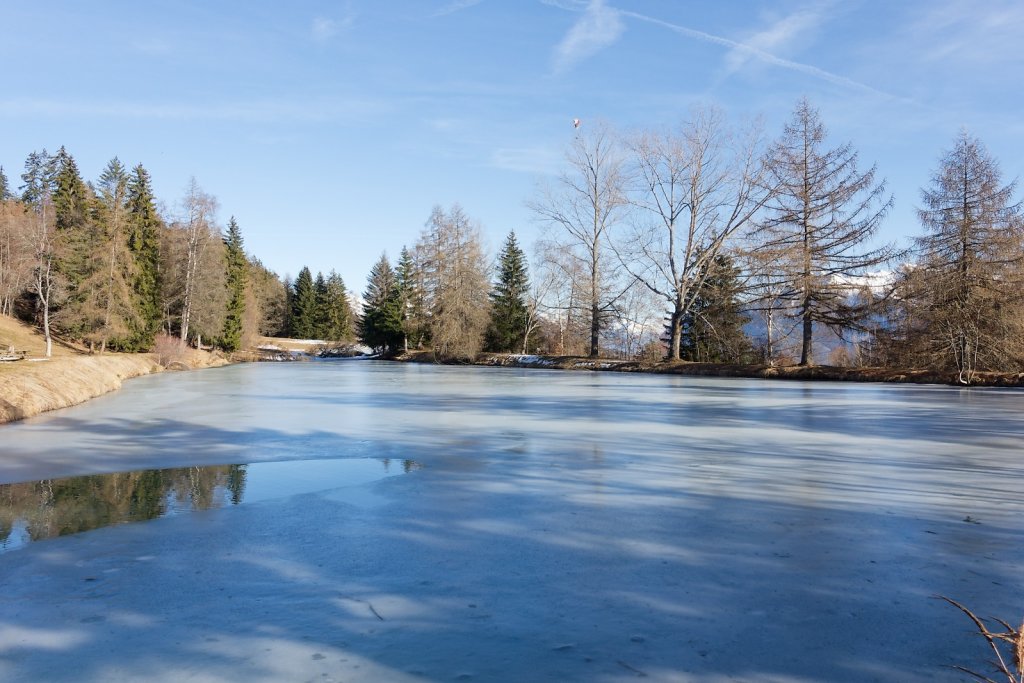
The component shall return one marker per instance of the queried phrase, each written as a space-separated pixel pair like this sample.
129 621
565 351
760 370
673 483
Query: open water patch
37 510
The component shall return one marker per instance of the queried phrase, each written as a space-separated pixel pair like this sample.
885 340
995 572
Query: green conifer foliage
320 310
144 244
237 276
109 288
713 328
381 324
74 203
303 322
5 188
509 313
414 319
337 312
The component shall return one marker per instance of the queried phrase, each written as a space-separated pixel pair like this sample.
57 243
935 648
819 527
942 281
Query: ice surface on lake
563 526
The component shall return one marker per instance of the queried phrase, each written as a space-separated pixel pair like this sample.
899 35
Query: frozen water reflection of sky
564 526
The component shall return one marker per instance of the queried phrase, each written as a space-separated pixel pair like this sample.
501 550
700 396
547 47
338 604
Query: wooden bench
11 355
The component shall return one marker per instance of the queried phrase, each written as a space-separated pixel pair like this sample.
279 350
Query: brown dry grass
29 387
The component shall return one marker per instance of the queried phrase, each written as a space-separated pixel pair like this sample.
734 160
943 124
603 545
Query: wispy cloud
151 46
324 28
258 111
599 27
780 36
959 30
751 51
456 6
541 160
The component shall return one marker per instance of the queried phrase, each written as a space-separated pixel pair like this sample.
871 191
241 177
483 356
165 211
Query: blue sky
330 129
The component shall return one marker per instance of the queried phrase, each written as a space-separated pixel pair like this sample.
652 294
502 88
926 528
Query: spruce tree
110 285
414 320
303 306
337 310
381 325
509 312
712 330
320 309
73 203
237 276
5 189
144 244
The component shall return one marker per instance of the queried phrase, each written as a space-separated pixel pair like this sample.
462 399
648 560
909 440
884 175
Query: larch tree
969 263
587 201
819 218
37 194
16 256
695 190
508 330
271 297
237 270
456 283
144 227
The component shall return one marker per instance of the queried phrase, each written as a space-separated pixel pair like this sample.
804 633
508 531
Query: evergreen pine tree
381 325
237 276
144 244
337 310
320 310
303 306
73 203
109 288
712 330
5 189
509 313
414 320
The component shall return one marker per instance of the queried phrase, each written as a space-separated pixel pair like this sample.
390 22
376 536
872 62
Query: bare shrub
1007 646
170 350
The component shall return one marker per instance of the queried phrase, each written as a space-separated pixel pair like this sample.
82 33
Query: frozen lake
554 526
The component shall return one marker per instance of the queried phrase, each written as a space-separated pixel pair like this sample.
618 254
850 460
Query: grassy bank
71 376
794 372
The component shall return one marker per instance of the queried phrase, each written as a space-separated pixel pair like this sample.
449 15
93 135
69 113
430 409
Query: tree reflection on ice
37 510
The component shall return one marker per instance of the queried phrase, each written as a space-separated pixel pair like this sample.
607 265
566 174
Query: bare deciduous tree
16 258
587 201
197 225
695 190
40 240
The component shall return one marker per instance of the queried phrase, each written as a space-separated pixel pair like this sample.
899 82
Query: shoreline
825 373
35 387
